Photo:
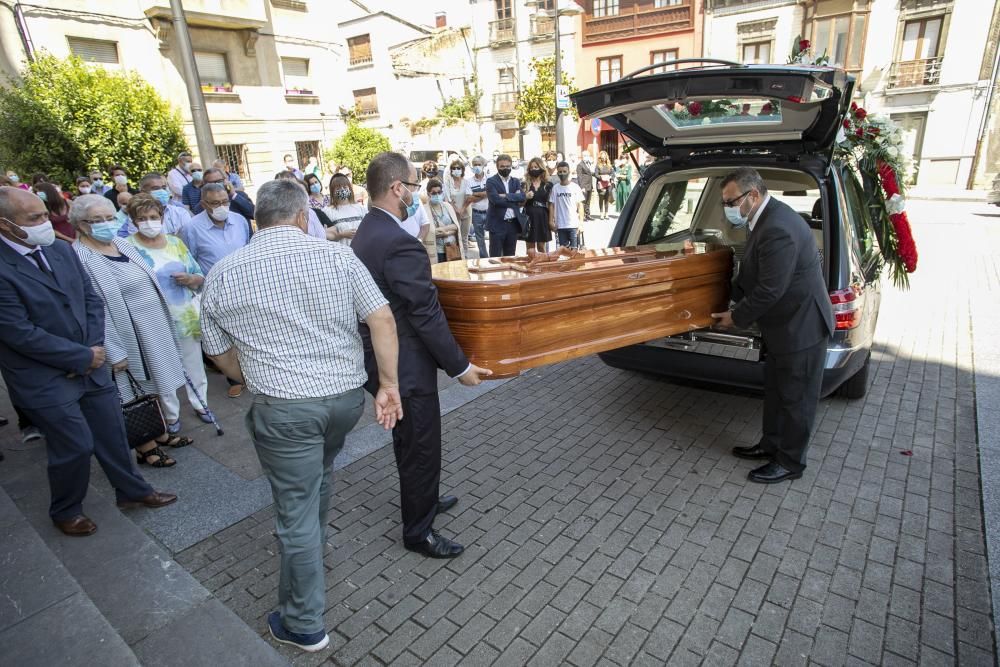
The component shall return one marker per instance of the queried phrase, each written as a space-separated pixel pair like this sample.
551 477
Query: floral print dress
182 301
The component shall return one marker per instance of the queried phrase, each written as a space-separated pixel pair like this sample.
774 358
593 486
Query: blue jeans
479 227
296 441
567 237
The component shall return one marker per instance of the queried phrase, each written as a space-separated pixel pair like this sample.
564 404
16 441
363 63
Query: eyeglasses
411 185
734 202
94 222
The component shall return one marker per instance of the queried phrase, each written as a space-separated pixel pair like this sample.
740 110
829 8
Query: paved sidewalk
606 522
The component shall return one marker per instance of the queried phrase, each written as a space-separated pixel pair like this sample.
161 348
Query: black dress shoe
772 473
435 546
445 503
753 453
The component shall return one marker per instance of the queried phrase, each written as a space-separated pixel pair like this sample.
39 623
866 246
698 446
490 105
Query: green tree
65 117
537 102
356 148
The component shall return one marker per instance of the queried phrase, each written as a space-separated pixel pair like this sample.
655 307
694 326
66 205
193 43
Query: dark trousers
586 203
504 242
74 431
22 419
416 442
792 384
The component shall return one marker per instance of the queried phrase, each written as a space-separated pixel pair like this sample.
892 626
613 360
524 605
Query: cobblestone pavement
606 522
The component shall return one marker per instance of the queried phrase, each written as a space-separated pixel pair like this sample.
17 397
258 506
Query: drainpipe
22 31
199 116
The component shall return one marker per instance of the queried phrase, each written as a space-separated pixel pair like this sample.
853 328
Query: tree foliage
537 102
65 117
356 148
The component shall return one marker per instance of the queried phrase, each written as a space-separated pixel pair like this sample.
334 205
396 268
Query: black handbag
143 417
524 223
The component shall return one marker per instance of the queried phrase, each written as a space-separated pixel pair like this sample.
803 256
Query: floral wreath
872 146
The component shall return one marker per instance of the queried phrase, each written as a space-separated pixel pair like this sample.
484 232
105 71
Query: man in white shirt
475 196
566 207
180 176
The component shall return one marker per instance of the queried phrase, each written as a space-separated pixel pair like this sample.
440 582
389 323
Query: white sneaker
31 433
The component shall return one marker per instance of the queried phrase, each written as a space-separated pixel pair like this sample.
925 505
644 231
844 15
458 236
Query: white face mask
121 180
84 189
220 213
150 228
42 234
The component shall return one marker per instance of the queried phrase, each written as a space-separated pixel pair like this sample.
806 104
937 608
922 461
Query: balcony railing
640 22
504 105
914 73
366 112
357 61
543 27
502 31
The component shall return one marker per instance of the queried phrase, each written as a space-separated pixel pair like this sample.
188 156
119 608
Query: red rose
860 113
804 44
694 108
847 124
860 132
854 106
874 130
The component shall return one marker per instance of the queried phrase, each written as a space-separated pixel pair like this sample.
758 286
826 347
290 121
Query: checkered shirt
290 304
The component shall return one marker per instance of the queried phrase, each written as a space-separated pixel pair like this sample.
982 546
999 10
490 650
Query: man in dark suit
399 264
52 358
585 179
780 286
506 199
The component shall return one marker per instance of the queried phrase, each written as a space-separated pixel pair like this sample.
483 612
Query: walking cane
215 422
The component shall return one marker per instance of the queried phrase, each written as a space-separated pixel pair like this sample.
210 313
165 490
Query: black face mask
535 172
504 173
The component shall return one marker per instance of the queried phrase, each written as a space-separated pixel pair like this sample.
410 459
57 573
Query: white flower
895 204
892 152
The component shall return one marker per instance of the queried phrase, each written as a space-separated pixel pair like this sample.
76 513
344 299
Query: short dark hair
151 176
562 164
747 178
434 183
118 167
53 198
39 177
284 173
384 170
213 170
502 156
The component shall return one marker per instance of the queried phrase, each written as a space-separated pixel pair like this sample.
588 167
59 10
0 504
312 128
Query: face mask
437 199
14 178
196 175
342 193
121 180
98 183
150 228
41 195
42 234
535 172
551 164
84 189
564 177
456 172
411 208
504 173
220 213
186 166
105 231
734 214
315 188
477 170
162 195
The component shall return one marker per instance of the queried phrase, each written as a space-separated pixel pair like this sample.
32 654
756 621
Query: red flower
804 44
860 113
874 130
904 241
847 124
854 106
694 108
860 133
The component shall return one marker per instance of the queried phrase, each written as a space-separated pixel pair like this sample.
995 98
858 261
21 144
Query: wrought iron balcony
915 73
504 105
641 21
502 31
543 27
358 60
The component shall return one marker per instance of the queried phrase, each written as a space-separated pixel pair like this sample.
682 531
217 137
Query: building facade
620 36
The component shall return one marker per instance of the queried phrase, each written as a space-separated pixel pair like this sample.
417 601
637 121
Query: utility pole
199 116
560 140
517 73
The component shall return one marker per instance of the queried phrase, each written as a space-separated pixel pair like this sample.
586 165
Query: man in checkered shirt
281 315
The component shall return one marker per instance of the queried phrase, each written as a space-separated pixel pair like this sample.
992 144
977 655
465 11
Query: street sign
562 97
595 125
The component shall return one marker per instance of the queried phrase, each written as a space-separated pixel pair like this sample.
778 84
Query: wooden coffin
512 313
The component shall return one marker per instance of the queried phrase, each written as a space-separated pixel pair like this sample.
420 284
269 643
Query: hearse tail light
847 307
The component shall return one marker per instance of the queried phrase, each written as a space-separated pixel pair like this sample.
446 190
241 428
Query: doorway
608 142
912 125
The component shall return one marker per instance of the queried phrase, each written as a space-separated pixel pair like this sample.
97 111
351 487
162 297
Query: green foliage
66 117
456 109
537 103
356 148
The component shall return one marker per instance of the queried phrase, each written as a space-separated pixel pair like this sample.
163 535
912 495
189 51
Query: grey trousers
296 441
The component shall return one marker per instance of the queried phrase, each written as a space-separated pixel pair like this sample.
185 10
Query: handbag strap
136 388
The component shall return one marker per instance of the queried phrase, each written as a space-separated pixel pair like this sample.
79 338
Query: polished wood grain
517 315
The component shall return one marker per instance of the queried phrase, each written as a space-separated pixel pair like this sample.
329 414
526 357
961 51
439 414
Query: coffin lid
780 108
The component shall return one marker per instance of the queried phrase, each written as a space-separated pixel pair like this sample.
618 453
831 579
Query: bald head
20 208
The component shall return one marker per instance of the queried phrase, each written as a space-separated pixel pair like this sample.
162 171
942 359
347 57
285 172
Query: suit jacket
780 284
47 327
398 264
584 176
499 205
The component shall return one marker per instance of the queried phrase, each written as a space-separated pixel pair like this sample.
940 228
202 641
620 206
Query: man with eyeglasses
780 287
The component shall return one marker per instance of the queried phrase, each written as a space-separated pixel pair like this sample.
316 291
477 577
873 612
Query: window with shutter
360 50
94 50
212 70
296 73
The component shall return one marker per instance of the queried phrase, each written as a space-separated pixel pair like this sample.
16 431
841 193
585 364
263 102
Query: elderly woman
138 328
179 277
444 225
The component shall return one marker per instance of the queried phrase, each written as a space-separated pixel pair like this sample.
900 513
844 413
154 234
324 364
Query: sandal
175 441
161 460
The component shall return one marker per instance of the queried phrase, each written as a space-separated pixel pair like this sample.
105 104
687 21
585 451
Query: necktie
36 255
